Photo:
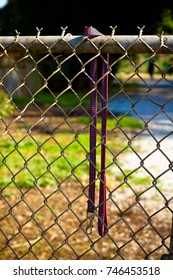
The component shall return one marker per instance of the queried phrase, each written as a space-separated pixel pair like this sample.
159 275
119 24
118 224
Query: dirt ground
50 223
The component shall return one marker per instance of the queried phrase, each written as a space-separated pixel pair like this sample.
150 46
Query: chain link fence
45 134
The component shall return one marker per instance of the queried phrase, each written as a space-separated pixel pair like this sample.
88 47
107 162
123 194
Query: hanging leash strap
102 211
102 222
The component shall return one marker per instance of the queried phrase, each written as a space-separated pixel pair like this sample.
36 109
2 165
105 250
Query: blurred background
26 15
44 134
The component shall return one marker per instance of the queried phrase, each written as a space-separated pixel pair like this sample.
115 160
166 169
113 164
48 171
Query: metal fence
47 153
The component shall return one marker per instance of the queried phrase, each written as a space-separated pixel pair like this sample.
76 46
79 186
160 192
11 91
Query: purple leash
102 211
102 222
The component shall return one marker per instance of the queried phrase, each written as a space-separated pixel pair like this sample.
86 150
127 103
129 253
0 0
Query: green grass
112 123
42 160
46 161
135 178
66 100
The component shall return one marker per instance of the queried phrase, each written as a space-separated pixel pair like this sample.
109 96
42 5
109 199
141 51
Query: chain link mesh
44 150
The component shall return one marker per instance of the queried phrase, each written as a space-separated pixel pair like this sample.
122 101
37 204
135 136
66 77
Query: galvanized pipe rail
134 44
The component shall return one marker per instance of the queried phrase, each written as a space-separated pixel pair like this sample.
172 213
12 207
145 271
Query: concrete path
155 155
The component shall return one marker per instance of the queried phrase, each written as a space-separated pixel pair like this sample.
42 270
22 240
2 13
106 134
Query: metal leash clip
169 256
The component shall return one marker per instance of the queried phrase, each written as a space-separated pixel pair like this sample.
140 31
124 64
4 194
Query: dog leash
102 210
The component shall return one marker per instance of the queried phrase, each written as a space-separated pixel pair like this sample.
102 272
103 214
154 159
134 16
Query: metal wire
45 155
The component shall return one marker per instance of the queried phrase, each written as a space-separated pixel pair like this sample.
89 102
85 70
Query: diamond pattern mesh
45 153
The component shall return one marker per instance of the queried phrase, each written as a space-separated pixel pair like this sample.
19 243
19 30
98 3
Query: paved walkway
156 143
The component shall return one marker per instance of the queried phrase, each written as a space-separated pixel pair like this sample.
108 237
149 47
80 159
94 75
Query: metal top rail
82 44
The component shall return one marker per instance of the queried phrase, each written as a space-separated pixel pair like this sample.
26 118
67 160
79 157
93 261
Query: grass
112 123
67 100
42 160
45 160
135 179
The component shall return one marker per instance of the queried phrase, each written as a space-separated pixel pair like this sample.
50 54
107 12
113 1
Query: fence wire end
141 30
63 31
113 30
38 31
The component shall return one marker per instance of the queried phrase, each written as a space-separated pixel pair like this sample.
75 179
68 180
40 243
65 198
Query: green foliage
166 22
6 107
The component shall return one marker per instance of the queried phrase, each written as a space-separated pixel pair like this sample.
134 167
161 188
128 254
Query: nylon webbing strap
102 222
102 211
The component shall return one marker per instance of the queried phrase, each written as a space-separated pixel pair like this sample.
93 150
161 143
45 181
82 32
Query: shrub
6 107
